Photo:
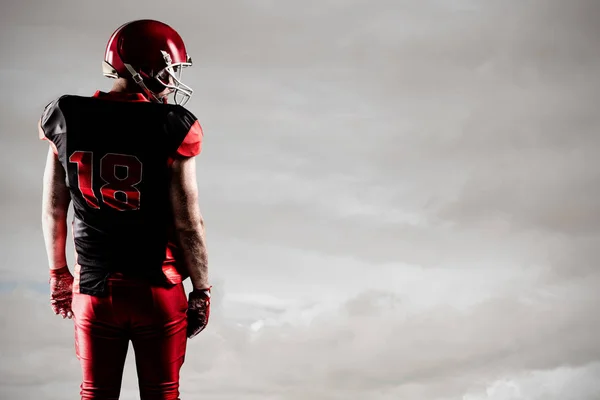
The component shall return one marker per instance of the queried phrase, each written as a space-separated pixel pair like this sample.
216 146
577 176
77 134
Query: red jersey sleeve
192 142
185 134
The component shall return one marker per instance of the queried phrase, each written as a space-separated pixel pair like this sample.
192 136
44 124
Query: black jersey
116 152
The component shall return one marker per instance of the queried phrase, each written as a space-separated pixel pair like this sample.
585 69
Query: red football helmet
153 55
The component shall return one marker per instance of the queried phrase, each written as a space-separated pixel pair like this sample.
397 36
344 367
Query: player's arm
55 205
189 224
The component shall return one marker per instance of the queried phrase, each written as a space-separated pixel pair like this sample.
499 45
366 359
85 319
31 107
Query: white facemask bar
180 91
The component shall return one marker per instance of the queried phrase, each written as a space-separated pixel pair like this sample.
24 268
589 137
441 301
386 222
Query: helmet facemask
170 78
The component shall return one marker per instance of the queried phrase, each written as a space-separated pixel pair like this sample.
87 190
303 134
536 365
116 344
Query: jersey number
118 189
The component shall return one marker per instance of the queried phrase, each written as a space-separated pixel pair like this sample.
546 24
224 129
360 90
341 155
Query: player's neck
126 86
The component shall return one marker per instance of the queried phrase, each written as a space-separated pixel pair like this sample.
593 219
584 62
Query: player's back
116 152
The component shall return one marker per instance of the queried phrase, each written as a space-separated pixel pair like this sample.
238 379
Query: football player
125 159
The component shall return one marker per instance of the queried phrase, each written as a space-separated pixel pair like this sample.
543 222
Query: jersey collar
120 96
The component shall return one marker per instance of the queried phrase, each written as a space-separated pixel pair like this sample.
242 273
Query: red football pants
152 318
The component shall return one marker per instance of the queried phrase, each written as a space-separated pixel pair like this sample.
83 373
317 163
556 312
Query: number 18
112 184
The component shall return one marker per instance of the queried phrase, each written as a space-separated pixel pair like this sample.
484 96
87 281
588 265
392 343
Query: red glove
198 311
61 291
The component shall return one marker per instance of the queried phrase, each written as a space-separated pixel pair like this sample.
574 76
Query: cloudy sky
402 198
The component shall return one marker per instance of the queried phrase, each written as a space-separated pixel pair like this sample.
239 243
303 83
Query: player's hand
198 311
61 292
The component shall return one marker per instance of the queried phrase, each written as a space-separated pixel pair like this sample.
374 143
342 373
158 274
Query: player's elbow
53 215
191 224
186 212
54 210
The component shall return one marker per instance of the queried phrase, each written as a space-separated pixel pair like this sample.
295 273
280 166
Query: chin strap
137 78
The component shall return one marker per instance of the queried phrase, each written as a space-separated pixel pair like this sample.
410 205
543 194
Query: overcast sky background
402 198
